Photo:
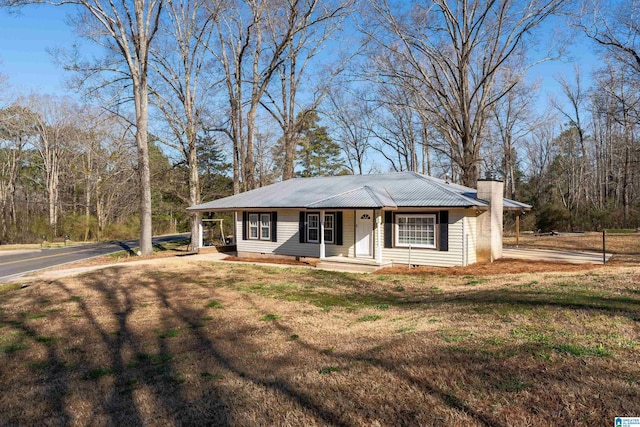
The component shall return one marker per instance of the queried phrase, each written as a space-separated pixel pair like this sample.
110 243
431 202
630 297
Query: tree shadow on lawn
125 370
328 289
569 297
98 360
518 300
474 382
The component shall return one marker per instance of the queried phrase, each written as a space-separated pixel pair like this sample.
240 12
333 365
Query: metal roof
389 190
512 205
362 197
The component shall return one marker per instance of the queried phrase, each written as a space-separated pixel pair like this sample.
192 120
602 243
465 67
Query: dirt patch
310 262
501 266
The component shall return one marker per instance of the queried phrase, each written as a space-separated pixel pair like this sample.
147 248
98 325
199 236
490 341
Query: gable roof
380 191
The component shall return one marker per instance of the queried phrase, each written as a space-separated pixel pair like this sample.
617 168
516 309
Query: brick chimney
489 222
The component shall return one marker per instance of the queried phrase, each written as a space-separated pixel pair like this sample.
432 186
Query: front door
364 233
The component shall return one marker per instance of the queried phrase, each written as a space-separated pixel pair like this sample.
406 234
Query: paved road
17 264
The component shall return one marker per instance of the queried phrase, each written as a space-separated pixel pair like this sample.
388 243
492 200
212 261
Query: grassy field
240 345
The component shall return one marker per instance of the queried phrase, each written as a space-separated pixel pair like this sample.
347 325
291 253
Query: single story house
381 219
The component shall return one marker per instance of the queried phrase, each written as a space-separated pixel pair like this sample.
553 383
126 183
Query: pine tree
318 154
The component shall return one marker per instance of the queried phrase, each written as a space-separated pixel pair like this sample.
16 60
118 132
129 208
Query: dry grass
501 266
624 247
241 345
161 250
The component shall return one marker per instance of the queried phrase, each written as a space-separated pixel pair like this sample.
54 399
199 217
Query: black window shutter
444 231
245 226
274 226
388 229
302 227
338 228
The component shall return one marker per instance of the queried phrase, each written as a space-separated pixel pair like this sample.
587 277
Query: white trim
416 245
317 216
257 218
235 227
322 247
378 240
364 222
256 227
263 227
332 228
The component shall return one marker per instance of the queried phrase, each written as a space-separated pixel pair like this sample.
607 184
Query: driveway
550 255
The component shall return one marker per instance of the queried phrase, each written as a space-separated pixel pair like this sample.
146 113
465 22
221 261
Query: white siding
346 249
420 256
471 237
289 241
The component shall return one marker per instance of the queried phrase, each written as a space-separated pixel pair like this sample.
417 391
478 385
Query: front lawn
231 344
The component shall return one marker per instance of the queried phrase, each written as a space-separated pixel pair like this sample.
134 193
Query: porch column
517 229
378 239
235 227
322 248
200 239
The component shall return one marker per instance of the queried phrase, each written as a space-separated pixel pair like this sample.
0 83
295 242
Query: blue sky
25 38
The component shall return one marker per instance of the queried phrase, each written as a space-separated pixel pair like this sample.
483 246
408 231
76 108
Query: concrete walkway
552 255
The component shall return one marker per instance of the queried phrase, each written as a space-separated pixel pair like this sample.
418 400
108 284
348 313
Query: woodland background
198 99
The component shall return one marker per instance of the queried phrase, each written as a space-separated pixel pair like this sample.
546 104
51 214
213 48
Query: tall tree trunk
194 189
87 196
289 155
249 162
141 94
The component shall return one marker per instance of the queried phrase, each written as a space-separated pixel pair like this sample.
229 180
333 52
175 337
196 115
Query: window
259 226
310 226
417 230
253 226
328 228
265 226
313 228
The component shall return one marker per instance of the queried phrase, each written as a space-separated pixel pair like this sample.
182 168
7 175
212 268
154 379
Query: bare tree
55 125
15 132
352 121
180 63
254 37
511 122
540 151
267 170
616 121
451 52
126 30
401 129
614 26
316 23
